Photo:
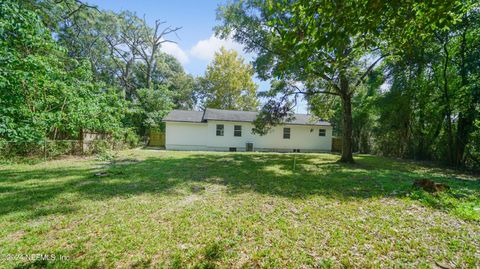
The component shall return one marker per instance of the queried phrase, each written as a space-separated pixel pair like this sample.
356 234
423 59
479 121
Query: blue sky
196 42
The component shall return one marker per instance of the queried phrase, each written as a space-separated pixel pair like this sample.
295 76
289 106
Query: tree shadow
285 175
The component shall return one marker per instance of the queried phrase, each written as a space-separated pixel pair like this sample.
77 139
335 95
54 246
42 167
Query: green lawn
204 210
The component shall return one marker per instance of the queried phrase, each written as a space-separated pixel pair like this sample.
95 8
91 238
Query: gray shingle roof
229 115
234 115
184 116
304 119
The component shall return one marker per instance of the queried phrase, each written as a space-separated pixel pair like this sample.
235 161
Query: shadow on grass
269 174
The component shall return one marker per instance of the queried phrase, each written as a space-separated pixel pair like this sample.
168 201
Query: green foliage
461 203
325 45
44 92
213 251
67 67
181 86
100 147
432 103
103 153
473 148
228 83
26 75
62 147
154 105
409 69
130 137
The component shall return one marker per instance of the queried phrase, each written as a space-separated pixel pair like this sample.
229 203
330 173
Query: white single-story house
228 130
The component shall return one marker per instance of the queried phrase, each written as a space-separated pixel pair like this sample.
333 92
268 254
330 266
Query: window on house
220 129
286 133
322 132
232 149
237 130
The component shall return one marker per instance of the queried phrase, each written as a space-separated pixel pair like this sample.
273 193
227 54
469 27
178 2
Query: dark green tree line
66 66
323 47
43 91
423 103
432 108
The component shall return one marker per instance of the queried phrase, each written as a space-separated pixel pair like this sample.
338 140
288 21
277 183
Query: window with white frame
286 133
237 130
220 129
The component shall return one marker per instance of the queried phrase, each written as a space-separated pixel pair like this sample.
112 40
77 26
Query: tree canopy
66 66
430 109
329 47
44 91
228 83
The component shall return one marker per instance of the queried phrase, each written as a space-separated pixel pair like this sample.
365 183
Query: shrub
97 147
131 138
62 147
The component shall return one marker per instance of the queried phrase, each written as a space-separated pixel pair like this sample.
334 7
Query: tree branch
369 69
300 91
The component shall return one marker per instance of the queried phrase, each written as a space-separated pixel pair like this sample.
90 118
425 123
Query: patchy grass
207 210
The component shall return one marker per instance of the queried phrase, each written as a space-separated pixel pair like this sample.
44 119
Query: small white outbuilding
229 130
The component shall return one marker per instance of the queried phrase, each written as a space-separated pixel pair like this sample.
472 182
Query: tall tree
228 83
124 42
151 44
323 44
467 59
42 90
182 85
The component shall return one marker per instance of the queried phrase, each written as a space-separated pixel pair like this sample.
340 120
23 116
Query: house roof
234 115
184 116
229 115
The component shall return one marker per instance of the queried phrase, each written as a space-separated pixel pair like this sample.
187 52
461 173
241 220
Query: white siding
202 136
186 136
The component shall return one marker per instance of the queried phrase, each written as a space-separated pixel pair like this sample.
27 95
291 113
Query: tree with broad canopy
315 47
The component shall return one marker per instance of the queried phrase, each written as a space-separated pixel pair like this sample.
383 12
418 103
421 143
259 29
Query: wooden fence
336 144
156 139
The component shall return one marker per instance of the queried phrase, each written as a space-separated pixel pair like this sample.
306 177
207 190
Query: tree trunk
347 156
466 118
464 128
150 69
448 111
149 77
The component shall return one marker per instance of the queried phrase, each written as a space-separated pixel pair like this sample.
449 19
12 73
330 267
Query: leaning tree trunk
347 156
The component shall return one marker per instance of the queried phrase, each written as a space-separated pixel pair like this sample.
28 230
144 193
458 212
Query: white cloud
205 49
174 50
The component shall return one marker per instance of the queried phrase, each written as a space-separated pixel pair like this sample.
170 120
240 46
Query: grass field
207 210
